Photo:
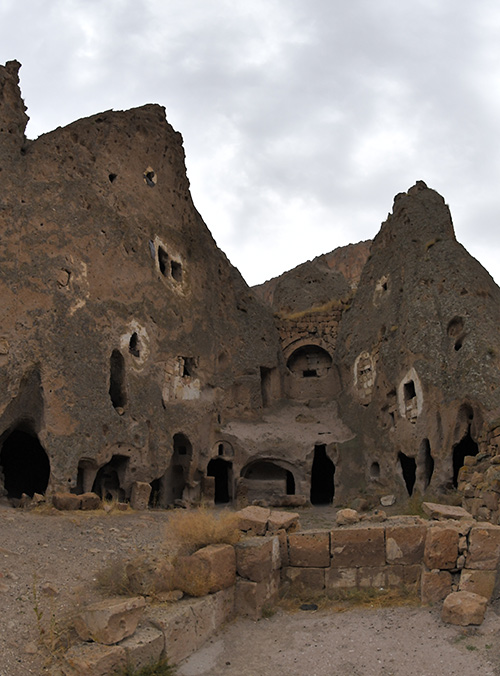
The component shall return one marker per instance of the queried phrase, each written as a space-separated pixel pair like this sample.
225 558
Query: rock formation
132 352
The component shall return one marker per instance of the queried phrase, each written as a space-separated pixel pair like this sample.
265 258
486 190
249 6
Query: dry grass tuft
188 531
342 600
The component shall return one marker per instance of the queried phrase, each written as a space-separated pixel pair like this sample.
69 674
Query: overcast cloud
301 118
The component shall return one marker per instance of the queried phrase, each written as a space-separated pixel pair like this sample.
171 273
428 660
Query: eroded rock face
133 354
127 337
418 352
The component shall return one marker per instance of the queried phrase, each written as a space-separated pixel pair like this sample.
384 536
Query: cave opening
24 462
322 477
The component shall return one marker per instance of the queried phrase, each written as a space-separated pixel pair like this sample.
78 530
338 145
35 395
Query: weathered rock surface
464 608
109 622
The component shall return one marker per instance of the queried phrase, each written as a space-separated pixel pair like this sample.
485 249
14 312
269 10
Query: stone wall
435 558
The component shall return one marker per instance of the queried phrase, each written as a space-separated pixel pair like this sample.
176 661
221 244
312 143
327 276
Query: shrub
188 531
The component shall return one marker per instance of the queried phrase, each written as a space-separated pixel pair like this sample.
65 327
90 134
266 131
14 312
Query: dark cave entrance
117 389
466 446
221 471
25 464
109 479
409 469
322 475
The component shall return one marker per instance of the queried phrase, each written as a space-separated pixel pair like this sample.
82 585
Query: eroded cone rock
127 336
109 622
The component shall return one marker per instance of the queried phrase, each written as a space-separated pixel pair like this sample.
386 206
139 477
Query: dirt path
387 642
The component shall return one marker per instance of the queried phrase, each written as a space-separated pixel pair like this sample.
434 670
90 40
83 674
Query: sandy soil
48 564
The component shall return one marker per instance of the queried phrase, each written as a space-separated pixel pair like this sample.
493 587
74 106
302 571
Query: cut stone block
403 575
435 586
358 547
405 544
89 501
145 647
372 577
436 511
301 581
66 501
441 548
288 521
309 549
109 622
480 582
188 624
95 659
464 608
252 597
139 496
208 570
254 558
253 519
340 578
283 548
484 547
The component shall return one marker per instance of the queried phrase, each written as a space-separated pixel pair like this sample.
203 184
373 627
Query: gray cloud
301 121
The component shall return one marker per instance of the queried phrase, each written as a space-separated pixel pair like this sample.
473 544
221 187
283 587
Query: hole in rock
112 177
162 260
133 345
466 446
322 477
25 464
221 471
374 470
176 270
117 391
409 469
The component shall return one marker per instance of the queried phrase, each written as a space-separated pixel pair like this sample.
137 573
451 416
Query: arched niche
309 361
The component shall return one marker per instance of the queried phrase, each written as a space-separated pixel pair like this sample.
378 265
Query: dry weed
188 531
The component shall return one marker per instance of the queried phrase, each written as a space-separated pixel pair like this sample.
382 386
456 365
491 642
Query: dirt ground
48 564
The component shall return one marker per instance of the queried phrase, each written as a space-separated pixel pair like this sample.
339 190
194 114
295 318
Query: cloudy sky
301 118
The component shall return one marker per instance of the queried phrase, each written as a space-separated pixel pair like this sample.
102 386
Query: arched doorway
24 462
221 470
309 361
110 477
322 477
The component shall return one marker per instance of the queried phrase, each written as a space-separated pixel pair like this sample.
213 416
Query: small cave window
117 389
223 449
112 177
188 366
409 470
150 177
409 391
176 270
375 471
163 261
133 345
309 361
182 445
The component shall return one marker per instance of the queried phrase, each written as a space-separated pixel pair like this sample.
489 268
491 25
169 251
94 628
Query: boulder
208 570
346 517
464 608
66 501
